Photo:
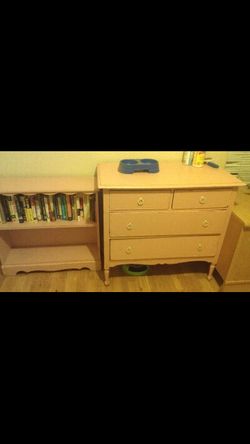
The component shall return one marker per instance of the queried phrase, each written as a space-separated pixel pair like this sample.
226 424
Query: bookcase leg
211 270
106 276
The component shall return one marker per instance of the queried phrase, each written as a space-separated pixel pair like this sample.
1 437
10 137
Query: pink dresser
180 214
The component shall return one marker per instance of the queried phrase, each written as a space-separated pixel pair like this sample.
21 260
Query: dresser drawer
160 223
164 248
188 199
140 200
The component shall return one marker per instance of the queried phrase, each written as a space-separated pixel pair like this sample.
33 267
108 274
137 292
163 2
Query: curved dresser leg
106 276
211 270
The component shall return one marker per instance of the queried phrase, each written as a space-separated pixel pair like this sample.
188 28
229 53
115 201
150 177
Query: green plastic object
135 270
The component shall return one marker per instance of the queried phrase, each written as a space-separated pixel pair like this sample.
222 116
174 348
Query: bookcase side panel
5 246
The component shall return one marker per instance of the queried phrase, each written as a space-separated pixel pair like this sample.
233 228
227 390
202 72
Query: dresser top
172 175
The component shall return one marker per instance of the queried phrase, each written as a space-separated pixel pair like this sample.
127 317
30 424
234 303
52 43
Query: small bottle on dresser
187 158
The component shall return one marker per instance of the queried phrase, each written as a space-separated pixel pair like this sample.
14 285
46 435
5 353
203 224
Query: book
28 209
69 206
74 206
86 204
33 208
59 206
2 215
12 207
38 208
78 206
51 208
22 204
81 206
42 207
64 207
6 209
47 210
19 207
56 207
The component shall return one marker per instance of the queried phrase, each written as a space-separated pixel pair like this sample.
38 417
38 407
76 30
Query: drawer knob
199 248
140 201
205 223
129 250
203 199
130 226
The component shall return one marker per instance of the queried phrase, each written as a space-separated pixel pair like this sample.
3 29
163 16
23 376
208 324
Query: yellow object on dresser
177 215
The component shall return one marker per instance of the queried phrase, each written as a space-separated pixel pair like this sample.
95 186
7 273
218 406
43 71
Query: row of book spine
47 207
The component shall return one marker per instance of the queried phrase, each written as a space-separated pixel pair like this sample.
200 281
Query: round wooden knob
205 223
129 250
140 201
129 226
199 247
202 199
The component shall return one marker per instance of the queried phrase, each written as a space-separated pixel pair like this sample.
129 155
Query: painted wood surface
234 260
196 206
33 185
172 175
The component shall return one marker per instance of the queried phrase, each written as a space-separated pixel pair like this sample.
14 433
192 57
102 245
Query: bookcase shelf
50 258
54 245
45 225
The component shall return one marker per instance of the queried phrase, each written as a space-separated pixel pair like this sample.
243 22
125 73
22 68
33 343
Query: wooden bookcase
49 246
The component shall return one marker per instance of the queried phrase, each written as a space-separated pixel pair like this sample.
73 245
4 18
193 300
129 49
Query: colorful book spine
33 208
11 207
55 206
81 207
19 208
28 209
38 209
43 208
59 203
74 206
46 204
2 215
14 209
78 206
86 208
64 207
6 209
51 208
22 204
69 207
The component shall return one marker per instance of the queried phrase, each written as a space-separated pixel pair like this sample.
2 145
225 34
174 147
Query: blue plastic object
129 166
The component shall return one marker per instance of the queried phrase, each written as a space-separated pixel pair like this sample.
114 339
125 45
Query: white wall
61 163
219 157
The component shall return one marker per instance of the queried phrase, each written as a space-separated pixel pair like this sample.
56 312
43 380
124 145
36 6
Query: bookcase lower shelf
51 259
